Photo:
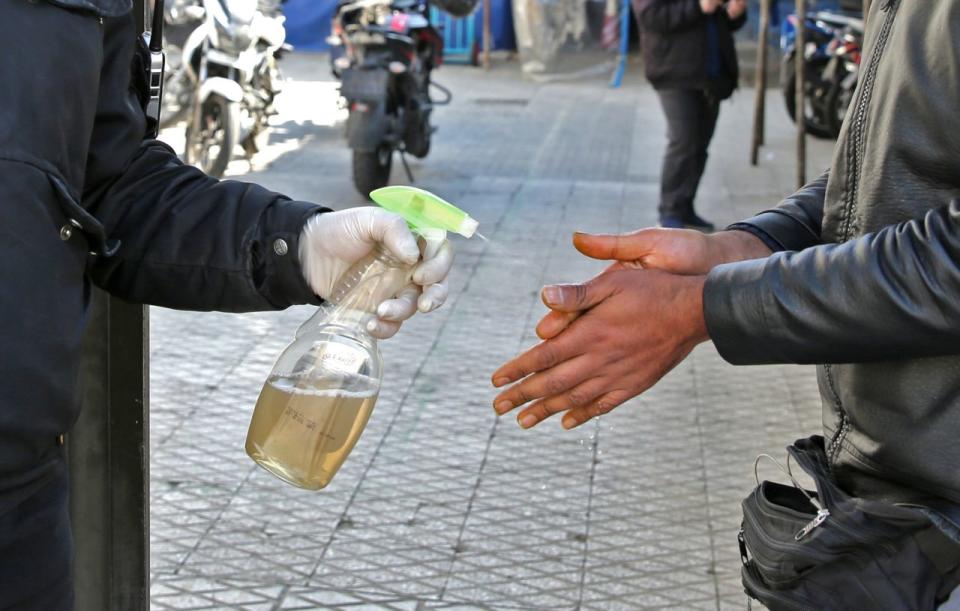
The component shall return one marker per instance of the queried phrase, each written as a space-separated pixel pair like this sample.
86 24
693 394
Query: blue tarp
308 23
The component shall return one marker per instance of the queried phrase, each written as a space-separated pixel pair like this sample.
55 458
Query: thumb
575 297
620 247
392 231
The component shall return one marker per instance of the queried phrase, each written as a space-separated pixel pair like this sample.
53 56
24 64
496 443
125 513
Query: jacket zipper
866 96
854 159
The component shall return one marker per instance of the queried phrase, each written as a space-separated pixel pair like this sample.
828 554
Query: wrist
691 297
734 245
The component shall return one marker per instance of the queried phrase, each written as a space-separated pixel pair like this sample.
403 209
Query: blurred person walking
689 58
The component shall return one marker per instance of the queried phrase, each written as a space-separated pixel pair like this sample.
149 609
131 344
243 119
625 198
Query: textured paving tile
442 505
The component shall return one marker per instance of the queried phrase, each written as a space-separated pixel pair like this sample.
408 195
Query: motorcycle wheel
211 147
838 102
371 169
176 98
817 125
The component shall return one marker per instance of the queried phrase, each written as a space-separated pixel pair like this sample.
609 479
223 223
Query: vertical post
108 453
109 461
760 98
487 35
801 105
624 44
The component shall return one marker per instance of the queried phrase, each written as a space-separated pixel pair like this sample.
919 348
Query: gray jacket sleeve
795 223
887 295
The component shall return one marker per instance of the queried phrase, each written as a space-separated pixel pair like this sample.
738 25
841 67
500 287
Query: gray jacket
867 277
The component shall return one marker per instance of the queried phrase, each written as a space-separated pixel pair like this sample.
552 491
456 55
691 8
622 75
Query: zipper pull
819 519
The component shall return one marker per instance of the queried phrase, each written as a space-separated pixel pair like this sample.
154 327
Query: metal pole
801 105
760 98
108 452
624 44
487 36
109 461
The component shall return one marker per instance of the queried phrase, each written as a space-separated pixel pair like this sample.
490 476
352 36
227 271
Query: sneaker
693 221
672 222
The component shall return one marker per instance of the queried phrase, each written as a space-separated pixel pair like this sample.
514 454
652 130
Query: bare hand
637 326
679 251
710 6
736 8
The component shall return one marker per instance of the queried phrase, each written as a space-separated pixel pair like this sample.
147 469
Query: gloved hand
332 242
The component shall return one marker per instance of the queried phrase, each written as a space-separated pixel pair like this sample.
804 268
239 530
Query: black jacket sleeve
184 240
666 16
795 223
887 295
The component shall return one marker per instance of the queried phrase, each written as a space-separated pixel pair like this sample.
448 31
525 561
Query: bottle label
341 358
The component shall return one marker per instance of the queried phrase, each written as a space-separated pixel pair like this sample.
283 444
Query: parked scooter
231 72
181 18
842 73
823 29
384 52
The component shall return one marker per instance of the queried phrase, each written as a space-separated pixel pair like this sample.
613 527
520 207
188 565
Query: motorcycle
384 52
181 18
230 69
823 29
843 72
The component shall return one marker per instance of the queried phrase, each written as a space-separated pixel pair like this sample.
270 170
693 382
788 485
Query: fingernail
503 407
498 382
371 326
568 423
551 294
527 420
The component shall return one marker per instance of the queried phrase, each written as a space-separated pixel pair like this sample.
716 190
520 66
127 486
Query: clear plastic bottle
322 390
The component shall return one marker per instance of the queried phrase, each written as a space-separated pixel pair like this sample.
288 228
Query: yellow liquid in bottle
303 436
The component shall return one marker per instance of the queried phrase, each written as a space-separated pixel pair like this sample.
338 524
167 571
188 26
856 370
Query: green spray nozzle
424 211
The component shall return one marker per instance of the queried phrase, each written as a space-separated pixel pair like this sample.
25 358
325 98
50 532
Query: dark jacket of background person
84 200
880 302
674 40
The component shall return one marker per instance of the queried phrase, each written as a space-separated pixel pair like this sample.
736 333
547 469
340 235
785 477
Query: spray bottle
321 392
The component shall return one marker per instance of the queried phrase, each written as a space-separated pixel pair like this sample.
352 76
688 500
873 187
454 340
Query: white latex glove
332 242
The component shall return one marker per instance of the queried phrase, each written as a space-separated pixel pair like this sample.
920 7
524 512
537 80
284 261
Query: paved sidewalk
443 505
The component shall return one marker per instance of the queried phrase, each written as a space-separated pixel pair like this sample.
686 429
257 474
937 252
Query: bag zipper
819 519
777 544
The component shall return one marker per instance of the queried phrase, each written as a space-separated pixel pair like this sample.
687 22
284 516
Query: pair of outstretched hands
613 337
604 341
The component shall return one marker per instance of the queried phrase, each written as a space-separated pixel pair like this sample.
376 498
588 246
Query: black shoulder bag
827 550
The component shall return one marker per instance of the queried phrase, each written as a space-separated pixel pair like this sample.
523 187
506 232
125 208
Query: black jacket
83 199
674 40
868 274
